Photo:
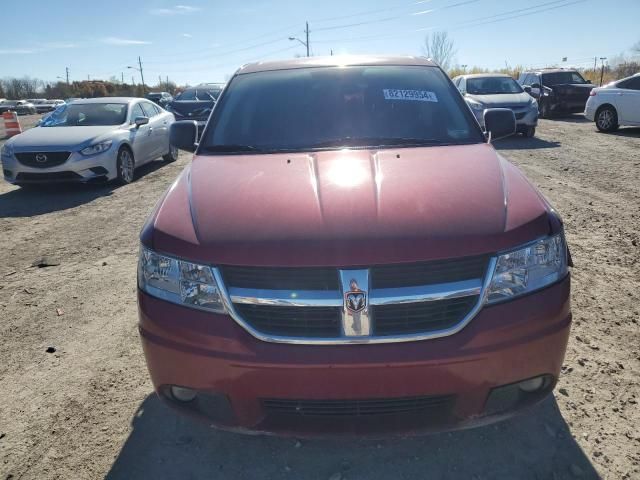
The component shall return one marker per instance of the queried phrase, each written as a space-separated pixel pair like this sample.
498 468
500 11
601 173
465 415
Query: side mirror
527 88
589 81
535 85
139 121
500 122
184 135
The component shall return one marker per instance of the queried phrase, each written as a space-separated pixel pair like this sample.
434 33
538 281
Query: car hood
60 137
349 207
502 99
192 109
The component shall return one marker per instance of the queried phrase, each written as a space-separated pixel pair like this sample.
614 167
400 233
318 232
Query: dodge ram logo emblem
41 158
355 300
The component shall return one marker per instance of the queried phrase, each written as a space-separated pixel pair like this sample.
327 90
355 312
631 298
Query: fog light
532 385
183 394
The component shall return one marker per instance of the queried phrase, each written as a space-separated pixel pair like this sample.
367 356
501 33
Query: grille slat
428 273
359 407
411 318
307 321
51 159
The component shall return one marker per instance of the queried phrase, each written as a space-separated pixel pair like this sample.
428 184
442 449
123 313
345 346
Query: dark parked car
21 107
160 98
557 90
195 103
348 253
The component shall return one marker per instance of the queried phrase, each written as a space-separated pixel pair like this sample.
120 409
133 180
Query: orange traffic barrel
11 123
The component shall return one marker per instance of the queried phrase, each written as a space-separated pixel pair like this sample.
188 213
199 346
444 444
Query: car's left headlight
178 281
7 150
97 148
527 269
534 104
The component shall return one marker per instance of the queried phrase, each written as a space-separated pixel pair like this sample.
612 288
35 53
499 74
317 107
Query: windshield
492 85
330 107
87 115
201 94
559 78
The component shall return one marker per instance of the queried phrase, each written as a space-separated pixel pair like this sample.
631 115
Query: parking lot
87 409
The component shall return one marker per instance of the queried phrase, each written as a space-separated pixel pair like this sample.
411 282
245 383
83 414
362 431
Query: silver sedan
91 140
494 90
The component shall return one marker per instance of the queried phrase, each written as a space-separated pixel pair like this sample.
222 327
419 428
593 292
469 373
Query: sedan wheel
126 166
172 156
607 119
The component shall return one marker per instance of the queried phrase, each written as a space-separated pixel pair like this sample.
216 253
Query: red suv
347 253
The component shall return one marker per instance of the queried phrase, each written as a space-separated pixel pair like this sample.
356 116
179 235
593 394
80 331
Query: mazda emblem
41 158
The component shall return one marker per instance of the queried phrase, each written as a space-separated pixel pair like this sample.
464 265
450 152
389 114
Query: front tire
544 110
529 132
607 119
125 166
172 156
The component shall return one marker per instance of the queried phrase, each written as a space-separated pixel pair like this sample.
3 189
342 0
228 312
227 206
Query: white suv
615 104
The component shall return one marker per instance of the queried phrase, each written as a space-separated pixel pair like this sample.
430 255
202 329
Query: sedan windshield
87 115
492 85
331 107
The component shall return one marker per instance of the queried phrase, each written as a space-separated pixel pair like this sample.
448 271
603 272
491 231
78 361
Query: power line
395 17
458 26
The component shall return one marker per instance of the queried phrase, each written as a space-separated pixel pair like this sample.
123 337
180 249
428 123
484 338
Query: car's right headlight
529 268
7 150
178 281
476 105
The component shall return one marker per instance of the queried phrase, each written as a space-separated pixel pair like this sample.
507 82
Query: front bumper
529 119
76 169
239 377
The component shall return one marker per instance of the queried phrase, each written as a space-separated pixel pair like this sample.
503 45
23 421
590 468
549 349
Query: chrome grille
381 304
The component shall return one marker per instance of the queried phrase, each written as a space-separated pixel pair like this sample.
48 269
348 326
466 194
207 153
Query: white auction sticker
410 95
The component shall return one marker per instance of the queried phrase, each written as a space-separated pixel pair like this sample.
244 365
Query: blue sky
194 41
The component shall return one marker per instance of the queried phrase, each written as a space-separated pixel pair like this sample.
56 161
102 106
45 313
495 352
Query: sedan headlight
527 269
178 281
7 150
97 148
534 104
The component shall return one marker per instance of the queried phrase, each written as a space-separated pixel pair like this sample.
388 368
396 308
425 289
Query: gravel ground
87 410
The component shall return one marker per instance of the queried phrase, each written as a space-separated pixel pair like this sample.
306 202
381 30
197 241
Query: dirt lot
87 410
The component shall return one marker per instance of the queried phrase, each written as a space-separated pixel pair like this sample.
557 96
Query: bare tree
440 48
636 47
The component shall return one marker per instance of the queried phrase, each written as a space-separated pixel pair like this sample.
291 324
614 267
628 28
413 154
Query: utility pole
602 59
306 44
167 83
122 76
307 32
67 69
595 64
141 74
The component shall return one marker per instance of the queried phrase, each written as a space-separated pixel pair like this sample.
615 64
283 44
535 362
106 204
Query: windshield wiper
229 148
375 142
